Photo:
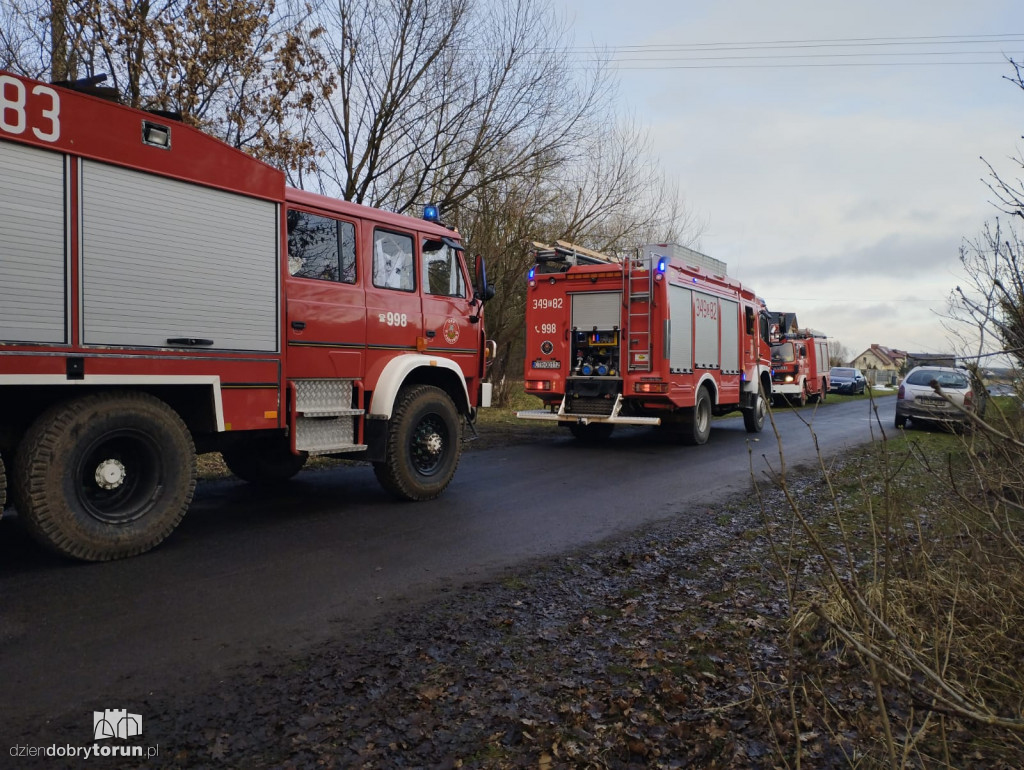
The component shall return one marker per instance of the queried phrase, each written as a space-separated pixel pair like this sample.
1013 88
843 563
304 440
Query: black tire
3 485
824 391
696 422
592 433
264 461
801 400
105 476
424 444
900 422
753 418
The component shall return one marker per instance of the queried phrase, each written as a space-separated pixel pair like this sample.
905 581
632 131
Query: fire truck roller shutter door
730 337
602 310
681 347
33 307
164 259
706 322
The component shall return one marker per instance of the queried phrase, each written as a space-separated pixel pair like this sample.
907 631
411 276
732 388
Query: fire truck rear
800 362
163 294
655 339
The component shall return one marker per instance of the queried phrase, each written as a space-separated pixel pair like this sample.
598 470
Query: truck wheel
824 391
753 418
592 433
696 422
106 476
424 444
801 400
3 486
264 461
901 421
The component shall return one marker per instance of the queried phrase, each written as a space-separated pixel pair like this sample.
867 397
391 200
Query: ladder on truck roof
638 280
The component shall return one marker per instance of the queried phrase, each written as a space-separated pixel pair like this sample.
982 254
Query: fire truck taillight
650 387
538 385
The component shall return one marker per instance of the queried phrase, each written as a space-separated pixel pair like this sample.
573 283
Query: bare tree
987 310
438 99
990 305
839 354
243 70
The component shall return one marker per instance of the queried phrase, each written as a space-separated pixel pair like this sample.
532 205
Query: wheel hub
433 444
110 474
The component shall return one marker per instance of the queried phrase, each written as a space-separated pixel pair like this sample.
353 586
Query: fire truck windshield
783 352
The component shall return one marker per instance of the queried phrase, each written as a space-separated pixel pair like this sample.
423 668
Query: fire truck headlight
789 378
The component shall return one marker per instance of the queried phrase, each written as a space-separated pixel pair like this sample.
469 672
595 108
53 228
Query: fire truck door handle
298 325
190 341
431 333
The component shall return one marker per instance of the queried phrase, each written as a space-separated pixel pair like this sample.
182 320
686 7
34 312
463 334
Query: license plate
932 401
547 364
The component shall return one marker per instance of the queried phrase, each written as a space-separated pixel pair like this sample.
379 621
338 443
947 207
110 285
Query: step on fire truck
800 362
163 294
661 338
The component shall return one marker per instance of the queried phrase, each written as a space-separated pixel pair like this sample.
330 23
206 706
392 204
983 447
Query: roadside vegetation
906 575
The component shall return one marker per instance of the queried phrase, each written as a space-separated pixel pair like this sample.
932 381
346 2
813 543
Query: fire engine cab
800 362
163 294
660 338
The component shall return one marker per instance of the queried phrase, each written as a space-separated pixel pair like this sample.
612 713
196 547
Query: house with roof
881 365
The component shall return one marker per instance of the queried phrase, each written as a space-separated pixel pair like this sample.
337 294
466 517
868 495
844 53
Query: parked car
918 401
844 379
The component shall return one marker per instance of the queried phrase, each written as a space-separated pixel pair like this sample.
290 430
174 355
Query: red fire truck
652 340
800 362
163 294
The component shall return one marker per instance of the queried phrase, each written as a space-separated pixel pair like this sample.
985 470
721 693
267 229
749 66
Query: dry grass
918 584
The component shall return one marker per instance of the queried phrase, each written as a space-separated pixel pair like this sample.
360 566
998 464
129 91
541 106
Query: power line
818 64
674 56
820 43
805 56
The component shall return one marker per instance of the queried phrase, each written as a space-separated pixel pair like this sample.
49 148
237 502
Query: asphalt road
250 574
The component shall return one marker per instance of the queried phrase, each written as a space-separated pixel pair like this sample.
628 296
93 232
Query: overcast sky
841 193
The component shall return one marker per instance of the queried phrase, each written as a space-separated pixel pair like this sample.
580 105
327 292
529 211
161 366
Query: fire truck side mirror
483 290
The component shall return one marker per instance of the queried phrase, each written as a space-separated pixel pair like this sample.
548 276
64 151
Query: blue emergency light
432 212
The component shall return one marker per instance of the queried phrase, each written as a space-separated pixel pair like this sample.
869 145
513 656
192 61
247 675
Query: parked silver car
918 401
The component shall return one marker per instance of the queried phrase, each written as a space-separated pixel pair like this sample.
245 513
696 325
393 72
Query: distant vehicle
799 359
843 379
917 400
